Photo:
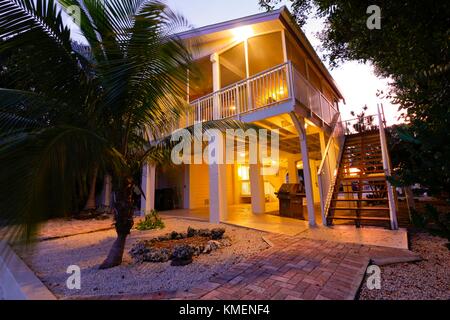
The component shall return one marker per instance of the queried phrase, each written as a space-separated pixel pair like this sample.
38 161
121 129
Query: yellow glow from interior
354 171
242 33
244 172
245 189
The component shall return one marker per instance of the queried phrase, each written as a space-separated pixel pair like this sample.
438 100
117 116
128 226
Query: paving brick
295 268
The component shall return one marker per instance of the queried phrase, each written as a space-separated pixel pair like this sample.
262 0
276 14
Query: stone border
17 281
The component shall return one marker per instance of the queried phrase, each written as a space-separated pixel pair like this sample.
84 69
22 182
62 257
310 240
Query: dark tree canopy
412 49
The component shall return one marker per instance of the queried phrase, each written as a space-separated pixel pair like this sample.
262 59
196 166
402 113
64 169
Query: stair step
375 199
367 176
366 154
367 150
353 153
360 218
372 136
369 144
383 178
344 171
362 163
349 150
352 140
359 142
361 208
352 192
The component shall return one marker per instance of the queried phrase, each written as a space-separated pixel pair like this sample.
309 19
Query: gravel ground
50 259
425 280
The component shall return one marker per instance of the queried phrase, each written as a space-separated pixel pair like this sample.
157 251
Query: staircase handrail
387 168
330 161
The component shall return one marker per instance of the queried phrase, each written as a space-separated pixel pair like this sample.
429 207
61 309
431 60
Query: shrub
152 221
437 223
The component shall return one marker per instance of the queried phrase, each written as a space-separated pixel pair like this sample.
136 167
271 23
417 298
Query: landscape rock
153 255
191 232
204 233
217 233
182 255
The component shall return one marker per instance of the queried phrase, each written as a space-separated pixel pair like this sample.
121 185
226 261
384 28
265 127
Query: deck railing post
237 101
387 170
291 90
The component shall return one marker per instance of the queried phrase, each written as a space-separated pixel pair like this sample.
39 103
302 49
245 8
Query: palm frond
21 16
41 170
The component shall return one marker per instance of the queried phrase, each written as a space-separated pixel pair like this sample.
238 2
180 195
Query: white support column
217 183
257 189
216 84
148 186
300 126
107 190
284 44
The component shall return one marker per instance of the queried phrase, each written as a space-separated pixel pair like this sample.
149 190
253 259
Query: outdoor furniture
291 197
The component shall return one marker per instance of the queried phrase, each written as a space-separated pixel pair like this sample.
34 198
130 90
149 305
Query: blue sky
357 81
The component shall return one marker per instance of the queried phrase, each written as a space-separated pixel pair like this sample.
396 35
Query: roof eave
289 20
222 26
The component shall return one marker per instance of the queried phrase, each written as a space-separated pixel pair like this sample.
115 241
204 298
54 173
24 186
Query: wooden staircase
360 193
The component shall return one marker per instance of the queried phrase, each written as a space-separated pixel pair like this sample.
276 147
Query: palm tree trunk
123 224
91 203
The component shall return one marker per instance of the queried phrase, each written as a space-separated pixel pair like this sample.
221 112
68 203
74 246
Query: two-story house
262 70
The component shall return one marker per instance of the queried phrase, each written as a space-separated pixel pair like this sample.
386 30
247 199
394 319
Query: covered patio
242 216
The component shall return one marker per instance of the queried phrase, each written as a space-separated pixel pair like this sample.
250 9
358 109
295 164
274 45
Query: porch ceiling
289 139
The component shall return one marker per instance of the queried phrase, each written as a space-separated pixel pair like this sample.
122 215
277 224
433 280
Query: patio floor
294 268
242 215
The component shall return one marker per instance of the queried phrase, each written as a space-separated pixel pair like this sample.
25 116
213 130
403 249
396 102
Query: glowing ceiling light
242 33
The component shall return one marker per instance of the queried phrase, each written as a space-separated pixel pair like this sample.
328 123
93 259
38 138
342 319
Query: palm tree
65 114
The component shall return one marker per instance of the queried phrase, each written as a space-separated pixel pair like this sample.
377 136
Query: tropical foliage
152 221
64 114
412 49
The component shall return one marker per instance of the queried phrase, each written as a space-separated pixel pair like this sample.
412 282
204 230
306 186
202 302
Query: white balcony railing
271 87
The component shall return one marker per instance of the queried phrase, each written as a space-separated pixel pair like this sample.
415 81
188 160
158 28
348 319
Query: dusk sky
357 81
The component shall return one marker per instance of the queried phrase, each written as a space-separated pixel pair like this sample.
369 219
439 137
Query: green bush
437 223
418 219
152 221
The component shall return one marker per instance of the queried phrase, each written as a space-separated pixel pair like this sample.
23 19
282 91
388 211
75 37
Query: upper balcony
254 68
282 85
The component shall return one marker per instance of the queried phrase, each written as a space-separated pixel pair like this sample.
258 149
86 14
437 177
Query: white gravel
425 280
50 259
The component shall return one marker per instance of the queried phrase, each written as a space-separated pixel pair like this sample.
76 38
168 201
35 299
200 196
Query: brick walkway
294 268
